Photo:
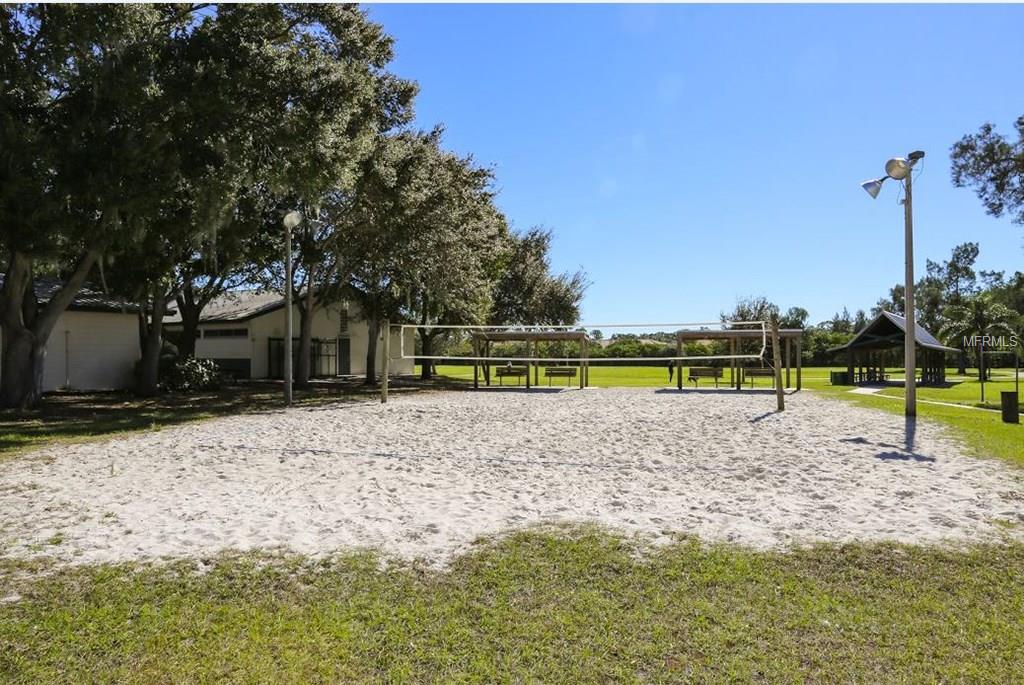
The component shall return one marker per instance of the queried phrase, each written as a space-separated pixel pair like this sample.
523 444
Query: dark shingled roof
887 330
237 306
88 299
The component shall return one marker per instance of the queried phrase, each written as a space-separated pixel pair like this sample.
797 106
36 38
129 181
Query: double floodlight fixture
896 168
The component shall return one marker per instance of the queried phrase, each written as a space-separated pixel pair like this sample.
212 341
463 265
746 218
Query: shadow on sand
893 452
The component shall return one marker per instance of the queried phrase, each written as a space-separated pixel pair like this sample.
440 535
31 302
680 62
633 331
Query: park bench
515 371
751 374
560 372
705 372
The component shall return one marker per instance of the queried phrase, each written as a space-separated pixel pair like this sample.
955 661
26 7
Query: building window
226 333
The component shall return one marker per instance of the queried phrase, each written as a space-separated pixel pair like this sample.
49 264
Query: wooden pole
487 363
476 364
799 361
780 393
387 362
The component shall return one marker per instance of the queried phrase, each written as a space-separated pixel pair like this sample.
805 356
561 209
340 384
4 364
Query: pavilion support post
583 342
732 364
789 360
476 364
528 355
780 393
799 361
585 371
487 363
849 365
386 371
536 366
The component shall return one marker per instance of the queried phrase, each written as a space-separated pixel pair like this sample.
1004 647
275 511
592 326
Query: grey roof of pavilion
88 299
237 306
887 330
529 336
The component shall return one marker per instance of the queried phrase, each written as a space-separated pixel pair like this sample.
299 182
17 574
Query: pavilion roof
887 331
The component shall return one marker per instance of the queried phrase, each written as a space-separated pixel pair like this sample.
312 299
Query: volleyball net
709 342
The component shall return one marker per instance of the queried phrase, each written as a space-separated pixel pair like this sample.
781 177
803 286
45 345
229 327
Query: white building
244 333
95 343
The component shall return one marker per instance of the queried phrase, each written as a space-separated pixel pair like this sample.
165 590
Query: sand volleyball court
427 474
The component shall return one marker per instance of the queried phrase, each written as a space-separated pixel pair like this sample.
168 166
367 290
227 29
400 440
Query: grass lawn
576 607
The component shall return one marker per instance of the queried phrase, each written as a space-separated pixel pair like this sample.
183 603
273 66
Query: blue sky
685 156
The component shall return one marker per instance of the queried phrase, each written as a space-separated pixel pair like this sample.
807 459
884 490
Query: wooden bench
560 372
515 371
705 372
759 373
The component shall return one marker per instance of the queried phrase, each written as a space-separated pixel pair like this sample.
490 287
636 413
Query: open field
576 607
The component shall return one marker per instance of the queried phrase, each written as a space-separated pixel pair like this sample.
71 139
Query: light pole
290 221
899 169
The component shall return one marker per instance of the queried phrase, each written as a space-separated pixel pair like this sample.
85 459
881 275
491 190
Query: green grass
575 607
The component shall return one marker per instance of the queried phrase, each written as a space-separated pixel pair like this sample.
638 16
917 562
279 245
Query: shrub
192 375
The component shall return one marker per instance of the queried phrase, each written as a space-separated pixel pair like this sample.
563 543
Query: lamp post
290 221
899 169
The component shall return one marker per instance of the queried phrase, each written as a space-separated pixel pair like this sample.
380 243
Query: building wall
326 325
91 351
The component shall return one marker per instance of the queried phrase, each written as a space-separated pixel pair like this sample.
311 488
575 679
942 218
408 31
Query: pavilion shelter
789 338
483 339
866 352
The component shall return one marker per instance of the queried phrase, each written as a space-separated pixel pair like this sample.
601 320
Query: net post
386 362
780 393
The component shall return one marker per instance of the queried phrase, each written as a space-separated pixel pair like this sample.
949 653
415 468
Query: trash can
1011 407
840 378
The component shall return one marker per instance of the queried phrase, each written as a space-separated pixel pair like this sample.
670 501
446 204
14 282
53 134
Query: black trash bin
841 378
1011 407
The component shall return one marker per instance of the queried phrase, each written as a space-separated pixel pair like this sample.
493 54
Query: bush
191 375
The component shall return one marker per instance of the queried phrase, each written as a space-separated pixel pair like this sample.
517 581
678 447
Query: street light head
897 168
292 219
915 155
873 187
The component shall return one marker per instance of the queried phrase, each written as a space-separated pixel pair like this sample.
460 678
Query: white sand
425 475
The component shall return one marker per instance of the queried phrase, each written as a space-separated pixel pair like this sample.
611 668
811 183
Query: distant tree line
155 149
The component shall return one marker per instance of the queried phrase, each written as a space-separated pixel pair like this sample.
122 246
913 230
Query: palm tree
978 315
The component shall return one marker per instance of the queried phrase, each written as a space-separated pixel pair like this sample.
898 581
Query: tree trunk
427 347
304 369
190 311
372 331
25 331
23 359
149 366
961 362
